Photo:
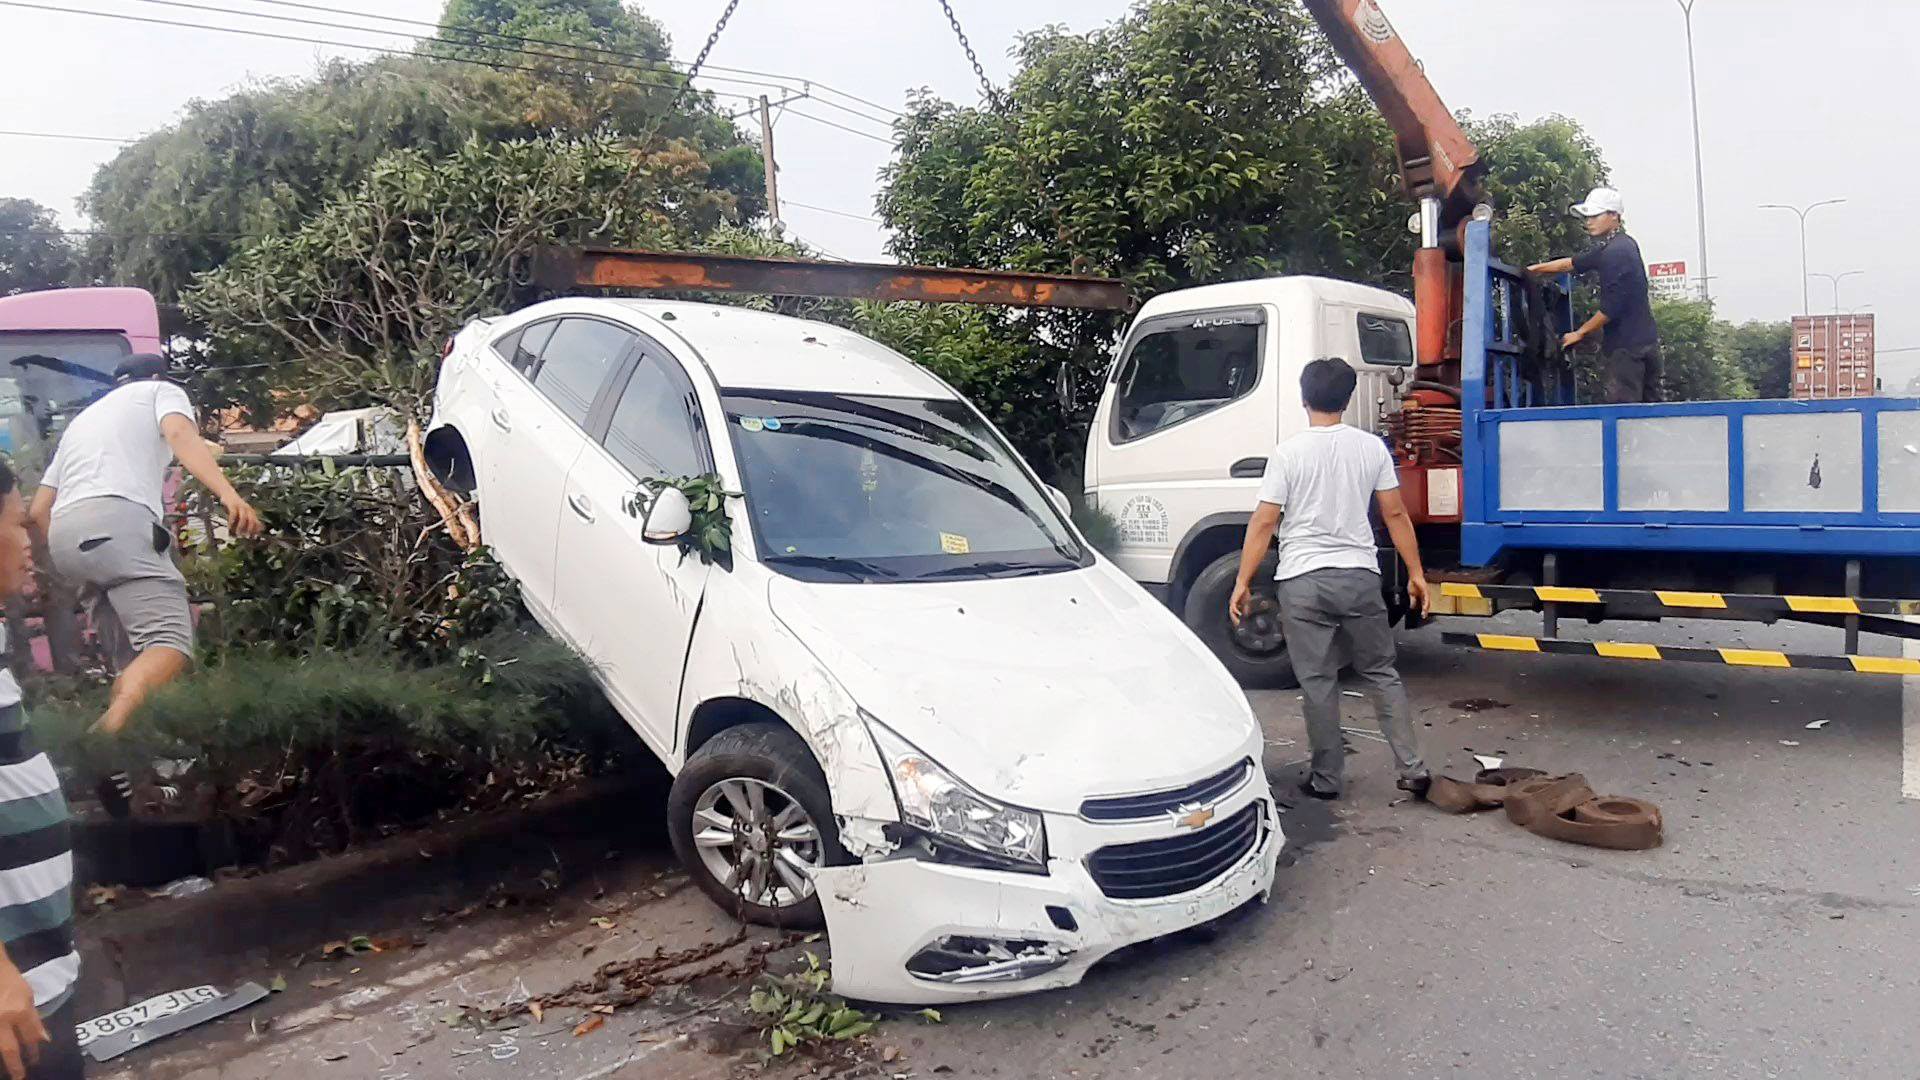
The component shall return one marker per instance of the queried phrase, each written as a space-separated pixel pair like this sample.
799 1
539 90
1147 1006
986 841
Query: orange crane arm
1439 165
1436 157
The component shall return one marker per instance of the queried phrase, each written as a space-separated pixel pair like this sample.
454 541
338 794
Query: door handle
581 506
500 420
1248 468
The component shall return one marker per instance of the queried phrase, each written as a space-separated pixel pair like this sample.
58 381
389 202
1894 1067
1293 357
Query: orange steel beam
554 269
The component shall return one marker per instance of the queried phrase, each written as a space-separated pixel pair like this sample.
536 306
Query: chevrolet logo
1191 816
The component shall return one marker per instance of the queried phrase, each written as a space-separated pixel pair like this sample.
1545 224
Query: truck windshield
846 488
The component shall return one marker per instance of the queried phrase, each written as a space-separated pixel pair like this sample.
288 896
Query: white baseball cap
1601 200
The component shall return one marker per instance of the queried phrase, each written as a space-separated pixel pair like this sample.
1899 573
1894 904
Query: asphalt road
1772 935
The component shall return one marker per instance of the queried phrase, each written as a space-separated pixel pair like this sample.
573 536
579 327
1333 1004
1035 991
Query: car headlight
936 801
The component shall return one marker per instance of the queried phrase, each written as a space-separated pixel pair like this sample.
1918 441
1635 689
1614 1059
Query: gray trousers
122 561
1316 609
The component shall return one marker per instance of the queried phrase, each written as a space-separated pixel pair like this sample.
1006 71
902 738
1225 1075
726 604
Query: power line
337 44
842 127
668 64
64 135
829 210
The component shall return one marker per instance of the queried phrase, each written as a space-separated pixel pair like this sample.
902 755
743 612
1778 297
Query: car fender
740 651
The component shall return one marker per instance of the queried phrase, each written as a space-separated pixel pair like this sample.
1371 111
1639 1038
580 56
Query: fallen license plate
151 1009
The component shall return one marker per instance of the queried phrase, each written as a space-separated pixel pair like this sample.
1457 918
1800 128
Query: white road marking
609 1070
1910 727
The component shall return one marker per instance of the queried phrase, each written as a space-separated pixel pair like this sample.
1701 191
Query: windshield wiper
998 568
853 568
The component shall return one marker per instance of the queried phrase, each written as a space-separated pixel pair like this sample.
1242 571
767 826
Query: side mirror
668 518
1060 499
1063 388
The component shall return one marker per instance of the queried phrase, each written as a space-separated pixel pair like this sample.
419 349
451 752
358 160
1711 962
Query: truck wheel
750 818
1256 650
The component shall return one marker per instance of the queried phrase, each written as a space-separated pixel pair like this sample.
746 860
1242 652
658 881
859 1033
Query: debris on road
1816 725
1789 742
1557 807
107 1037
1478 704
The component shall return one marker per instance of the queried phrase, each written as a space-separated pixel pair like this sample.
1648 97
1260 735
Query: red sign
1667 269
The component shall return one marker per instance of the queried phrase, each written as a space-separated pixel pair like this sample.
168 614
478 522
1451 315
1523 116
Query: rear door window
576 362
1384 340
524 351
1186 367
653 431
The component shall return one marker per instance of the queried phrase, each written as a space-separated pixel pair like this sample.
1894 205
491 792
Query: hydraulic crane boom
1439 165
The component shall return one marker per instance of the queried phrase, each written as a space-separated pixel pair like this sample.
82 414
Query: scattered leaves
590 1024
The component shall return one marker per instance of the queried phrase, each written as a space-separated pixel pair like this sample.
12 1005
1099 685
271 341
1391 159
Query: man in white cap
1630 343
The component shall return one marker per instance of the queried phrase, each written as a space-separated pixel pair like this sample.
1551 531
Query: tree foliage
1763 352
361 297
1535 172
34 253
1694 366
258 162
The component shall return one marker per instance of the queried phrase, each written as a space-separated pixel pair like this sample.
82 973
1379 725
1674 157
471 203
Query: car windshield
844 488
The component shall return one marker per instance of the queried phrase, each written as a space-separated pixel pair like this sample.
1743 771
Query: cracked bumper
886 918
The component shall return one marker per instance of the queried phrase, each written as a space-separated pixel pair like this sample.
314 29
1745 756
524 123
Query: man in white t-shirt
1318 487
100 508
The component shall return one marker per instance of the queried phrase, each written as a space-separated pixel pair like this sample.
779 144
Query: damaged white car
911 702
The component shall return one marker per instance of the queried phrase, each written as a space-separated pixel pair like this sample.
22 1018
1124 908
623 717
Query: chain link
986 85
698 61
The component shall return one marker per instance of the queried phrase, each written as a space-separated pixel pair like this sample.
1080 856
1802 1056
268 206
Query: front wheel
1255 651
751 819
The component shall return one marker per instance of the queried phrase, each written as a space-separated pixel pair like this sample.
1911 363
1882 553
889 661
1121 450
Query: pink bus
58 349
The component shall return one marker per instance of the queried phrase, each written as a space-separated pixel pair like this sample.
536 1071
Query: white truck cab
1205 384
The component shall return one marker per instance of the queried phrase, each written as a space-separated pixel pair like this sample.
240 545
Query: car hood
1038 691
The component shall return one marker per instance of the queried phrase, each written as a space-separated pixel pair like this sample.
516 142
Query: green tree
360 298
1763 351
1535 172
1695 364
34 252
473 29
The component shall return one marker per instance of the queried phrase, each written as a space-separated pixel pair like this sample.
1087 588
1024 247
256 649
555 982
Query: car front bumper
905 930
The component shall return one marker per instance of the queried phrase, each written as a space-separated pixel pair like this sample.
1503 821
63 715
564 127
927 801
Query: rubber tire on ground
1206 615
776 754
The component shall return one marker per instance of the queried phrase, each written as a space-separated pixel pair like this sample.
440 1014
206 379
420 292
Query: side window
1185 370
505 346
577 361
1385 340
528 343
651 431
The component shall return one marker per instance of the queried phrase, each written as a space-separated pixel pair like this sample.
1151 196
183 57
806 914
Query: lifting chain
700 60
986 85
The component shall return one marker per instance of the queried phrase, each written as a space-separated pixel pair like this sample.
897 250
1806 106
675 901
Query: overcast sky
1800 101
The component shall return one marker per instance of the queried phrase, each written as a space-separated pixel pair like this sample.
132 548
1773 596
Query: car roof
758 350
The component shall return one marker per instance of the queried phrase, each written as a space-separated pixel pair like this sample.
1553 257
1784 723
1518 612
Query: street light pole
1699 172
1836 279
1806 300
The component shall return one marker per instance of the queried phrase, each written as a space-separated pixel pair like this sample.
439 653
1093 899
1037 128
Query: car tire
771 762
1256 655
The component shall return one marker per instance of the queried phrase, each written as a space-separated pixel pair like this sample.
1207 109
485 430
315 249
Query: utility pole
1699 171
766 155
1806 299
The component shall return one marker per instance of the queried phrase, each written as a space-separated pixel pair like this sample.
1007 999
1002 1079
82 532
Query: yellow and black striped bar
1627 650
1755 603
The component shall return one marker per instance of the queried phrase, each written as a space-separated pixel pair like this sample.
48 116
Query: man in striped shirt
38 964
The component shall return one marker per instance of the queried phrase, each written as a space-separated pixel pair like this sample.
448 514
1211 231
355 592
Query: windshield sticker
752 423
771 423
869 471
955 545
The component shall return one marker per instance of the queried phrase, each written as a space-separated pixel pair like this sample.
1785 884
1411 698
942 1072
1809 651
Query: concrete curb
241 926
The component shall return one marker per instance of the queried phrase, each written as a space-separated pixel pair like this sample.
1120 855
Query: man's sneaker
1417 786
1307 788
116 794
